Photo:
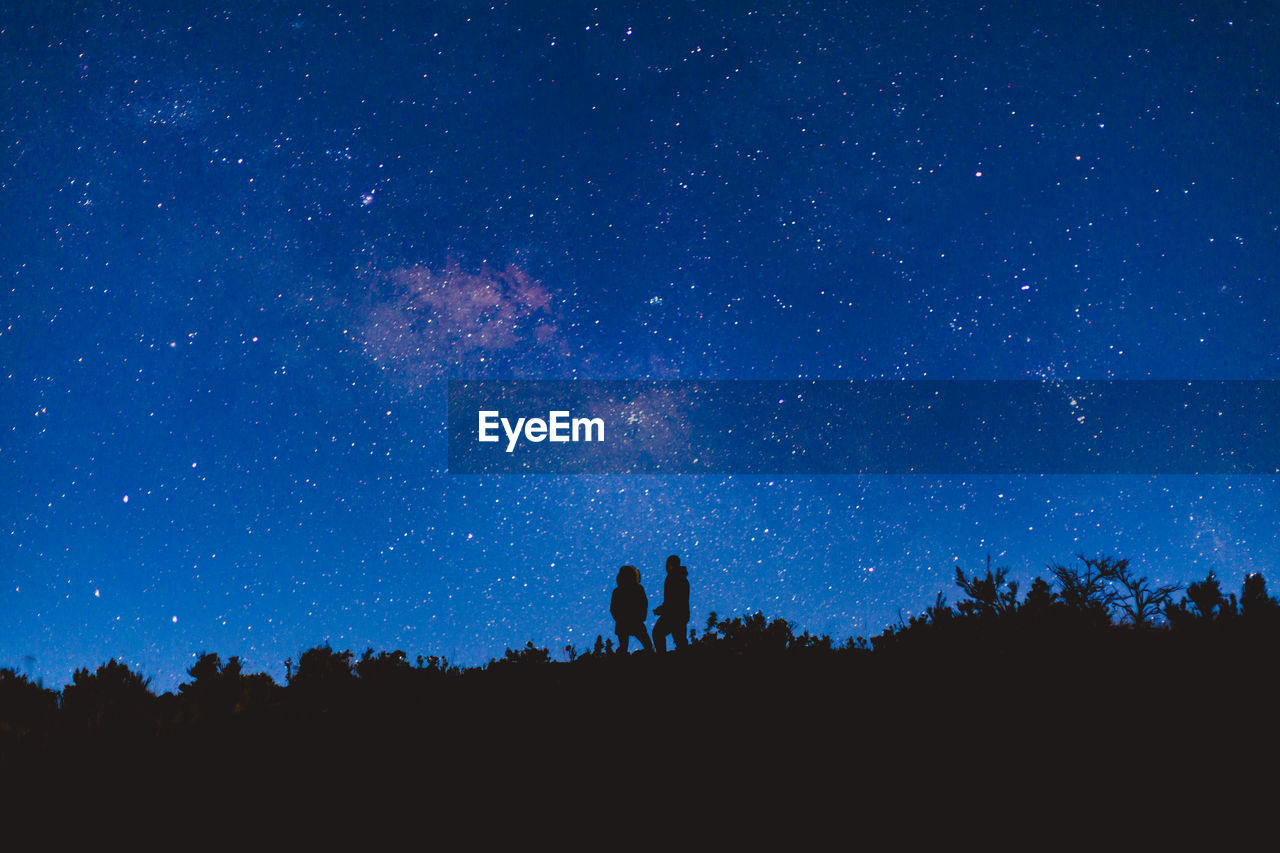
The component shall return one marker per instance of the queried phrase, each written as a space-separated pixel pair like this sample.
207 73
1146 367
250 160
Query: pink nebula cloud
421 324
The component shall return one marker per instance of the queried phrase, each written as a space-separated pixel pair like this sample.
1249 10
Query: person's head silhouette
628 574
673 564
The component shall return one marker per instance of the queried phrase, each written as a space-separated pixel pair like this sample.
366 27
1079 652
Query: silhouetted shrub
24 705
217 690
322 678
113 696
435 665
530 655
383 666
748 634
321 666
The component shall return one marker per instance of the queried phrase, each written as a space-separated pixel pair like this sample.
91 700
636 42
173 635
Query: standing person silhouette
630 607
673 612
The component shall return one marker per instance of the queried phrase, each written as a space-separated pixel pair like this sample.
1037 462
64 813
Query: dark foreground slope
1117 710
990 710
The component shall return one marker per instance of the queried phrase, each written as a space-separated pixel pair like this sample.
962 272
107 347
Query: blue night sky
243 248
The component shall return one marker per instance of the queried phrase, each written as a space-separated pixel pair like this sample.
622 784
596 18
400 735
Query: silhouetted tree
1203 604
1086 589
210 677
989 595
1040 596
1138 599
1207 597
208 668
1254 601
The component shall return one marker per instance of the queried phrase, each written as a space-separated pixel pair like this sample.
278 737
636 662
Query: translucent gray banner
864 427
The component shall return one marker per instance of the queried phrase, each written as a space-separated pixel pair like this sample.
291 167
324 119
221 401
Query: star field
243 248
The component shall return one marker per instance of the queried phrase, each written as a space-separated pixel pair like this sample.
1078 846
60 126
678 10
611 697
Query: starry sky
243 248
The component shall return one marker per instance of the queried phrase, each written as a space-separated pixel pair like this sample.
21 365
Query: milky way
422 324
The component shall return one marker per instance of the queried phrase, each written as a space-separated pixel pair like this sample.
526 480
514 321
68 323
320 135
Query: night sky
243 248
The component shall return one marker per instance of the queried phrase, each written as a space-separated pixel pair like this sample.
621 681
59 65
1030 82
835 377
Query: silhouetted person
673 612
630 607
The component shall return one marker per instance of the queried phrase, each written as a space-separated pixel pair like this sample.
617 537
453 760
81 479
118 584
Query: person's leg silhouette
660 630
